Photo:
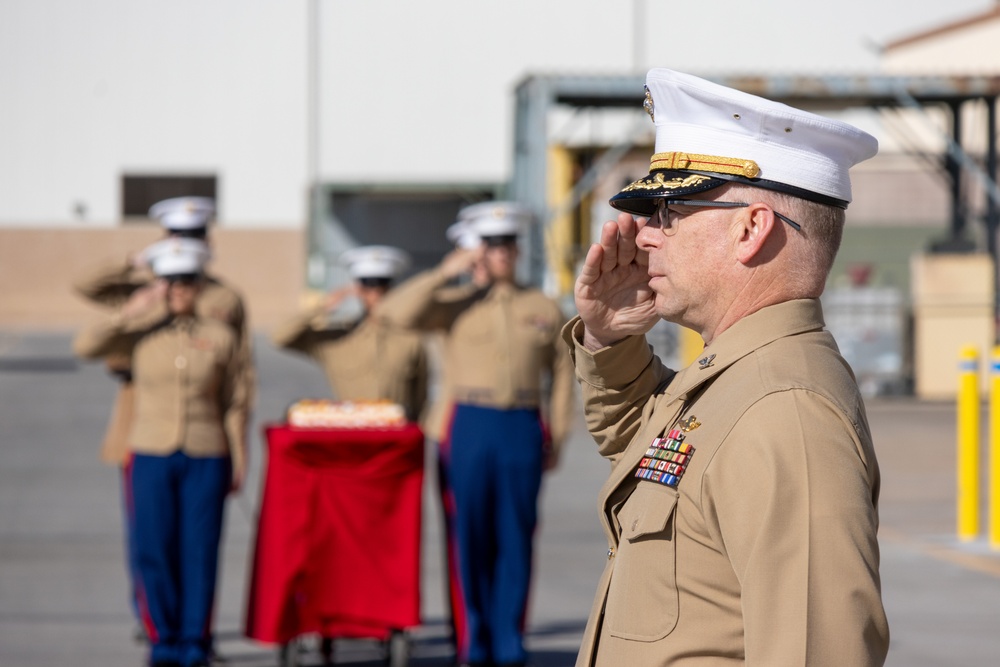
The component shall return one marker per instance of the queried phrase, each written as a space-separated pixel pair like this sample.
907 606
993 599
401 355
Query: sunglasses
667 220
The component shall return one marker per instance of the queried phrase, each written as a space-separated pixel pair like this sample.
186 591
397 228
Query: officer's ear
758 234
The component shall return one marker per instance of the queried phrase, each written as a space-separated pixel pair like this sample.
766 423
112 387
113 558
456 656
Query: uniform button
611 553
181 362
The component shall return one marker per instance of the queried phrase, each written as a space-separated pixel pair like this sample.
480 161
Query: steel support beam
537 94
954 169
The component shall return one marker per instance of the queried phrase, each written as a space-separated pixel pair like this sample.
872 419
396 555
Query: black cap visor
193 233
500 240
641 197
182 278
375 281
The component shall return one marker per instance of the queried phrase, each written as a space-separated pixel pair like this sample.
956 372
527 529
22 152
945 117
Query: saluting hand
338 296
459 261
612 292
144 299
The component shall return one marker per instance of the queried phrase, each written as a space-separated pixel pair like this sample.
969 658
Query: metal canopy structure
537 95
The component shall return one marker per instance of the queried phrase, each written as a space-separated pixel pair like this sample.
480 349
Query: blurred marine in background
364 358
112 284
187 442
510 387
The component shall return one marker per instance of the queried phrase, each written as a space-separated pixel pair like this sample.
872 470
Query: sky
787 36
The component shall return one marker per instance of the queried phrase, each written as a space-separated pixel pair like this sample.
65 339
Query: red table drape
338 534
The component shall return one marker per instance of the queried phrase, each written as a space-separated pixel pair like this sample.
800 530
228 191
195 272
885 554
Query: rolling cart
337 549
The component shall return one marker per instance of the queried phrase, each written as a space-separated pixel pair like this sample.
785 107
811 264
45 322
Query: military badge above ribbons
666 459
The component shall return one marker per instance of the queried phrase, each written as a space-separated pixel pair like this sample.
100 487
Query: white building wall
411 92
89 90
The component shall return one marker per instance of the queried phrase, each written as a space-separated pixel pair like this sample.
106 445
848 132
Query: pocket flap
647 511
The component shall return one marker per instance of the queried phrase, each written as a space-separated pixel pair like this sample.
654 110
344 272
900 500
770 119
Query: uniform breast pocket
642 598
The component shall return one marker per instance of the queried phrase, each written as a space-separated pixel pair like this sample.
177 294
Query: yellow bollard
995 451
691 345
968 444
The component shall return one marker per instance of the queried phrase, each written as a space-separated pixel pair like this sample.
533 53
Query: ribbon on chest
668 457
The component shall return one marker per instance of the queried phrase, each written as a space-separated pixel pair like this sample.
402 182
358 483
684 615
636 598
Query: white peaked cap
462 236
183 213
496 218
175 256
708 135
375 261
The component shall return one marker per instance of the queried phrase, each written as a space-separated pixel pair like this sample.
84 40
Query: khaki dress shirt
110 285
501 346
363 360
188 379
765 553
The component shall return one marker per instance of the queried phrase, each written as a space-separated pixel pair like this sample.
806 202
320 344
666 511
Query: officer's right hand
612 291
138 261
459 261
145 299
333 300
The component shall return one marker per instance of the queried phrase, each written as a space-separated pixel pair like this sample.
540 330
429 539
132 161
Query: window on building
139 192
414 220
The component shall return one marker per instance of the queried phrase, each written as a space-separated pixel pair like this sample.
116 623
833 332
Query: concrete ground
63 596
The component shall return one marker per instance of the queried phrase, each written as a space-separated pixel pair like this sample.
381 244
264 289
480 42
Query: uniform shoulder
538 299
216 288
456 293
400 333
809 361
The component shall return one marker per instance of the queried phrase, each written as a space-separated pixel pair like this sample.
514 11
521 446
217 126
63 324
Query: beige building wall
952 308
963 48
38 267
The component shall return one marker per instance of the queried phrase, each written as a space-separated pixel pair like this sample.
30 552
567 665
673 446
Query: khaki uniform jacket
188 378
363 360
110 285
765 553
501 343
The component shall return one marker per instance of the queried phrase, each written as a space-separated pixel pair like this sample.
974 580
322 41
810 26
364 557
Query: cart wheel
326 650
399 649
289 655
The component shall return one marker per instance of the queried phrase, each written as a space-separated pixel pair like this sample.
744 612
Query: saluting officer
188 444
364 358
742 507
111 285
501 348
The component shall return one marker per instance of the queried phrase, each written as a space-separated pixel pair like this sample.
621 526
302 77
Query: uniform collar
183 322
745 336
749 334
503 289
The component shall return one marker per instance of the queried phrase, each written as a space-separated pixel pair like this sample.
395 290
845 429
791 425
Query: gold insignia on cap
660 182
716 163
647 104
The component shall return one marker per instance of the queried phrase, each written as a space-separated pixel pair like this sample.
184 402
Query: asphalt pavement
63 593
